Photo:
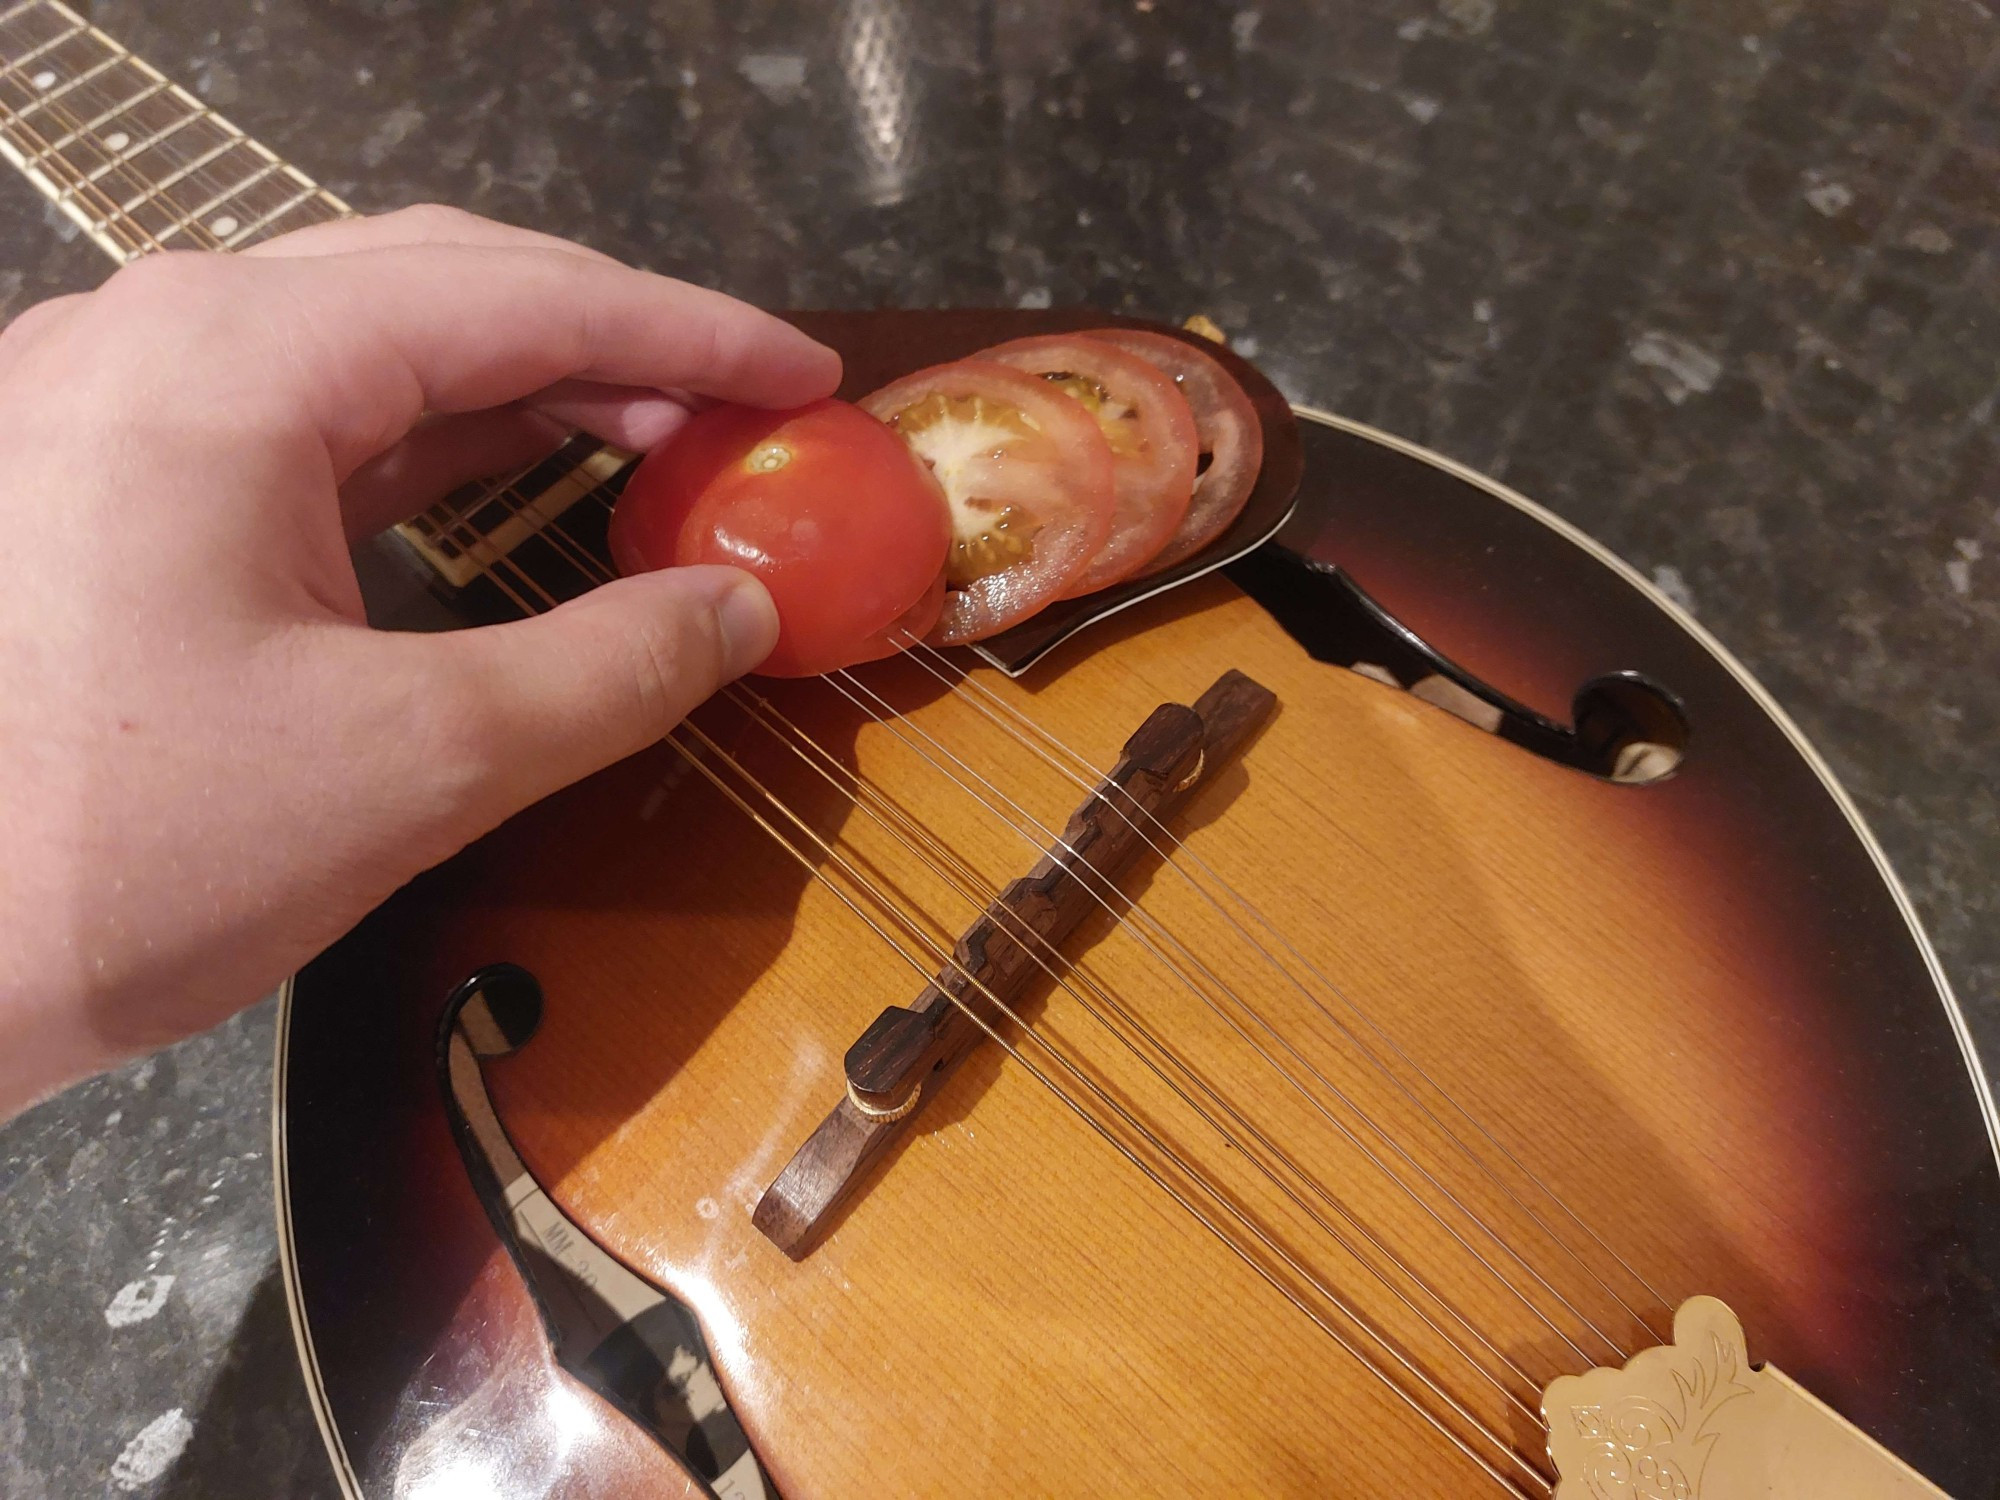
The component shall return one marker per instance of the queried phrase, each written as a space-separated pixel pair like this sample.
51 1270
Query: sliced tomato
824 504
1027 475
1231 437
1151 431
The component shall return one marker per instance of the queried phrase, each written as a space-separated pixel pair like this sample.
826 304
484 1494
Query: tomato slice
822 503
1028 477
1230 436
1151 431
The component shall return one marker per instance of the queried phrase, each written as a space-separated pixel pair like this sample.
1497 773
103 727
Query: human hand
214 766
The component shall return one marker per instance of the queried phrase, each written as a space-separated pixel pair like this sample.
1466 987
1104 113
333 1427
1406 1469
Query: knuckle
165 277
182 297
673 657
705 352
432 220
457 734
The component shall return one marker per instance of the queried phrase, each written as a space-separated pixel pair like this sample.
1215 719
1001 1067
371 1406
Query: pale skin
215 766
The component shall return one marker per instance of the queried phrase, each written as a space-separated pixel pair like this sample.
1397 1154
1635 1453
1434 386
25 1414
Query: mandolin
1387 1006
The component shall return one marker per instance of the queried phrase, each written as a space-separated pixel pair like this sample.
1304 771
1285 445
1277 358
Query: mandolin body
1696 1014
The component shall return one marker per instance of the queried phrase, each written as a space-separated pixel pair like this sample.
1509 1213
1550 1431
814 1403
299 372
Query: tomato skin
1154 450
823 503
1005 443
1229 431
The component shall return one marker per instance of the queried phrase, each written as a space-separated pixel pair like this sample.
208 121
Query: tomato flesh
1028 479
1228 429
1151 432
822 503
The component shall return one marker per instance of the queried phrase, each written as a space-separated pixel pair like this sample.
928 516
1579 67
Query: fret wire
191 215
114 84
68 57
173 177
14 10
310 191
207 176
109 235
107 231
90 126
50 96
34 52
126 157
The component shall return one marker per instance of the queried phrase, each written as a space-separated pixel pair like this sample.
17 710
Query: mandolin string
964 684
963 681
890 720
980 896
592 569
760 708
117 217
1131 1122
772 719
944 956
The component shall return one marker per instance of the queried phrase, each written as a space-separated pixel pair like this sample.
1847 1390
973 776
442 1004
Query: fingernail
749 623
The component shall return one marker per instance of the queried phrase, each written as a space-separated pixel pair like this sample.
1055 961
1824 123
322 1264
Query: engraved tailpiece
1695 1420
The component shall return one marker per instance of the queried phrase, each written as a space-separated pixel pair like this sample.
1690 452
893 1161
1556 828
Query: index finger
419 224
378 337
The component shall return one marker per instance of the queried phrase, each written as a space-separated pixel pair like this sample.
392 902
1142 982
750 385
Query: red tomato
1231 436
822 503
1147 422
1029 479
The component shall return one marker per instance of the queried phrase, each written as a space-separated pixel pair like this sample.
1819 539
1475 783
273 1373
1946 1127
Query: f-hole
1629 729
500 1008
632 1342
1625 727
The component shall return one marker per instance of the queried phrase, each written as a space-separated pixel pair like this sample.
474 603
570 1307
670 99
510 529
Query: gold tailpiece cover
1695 1420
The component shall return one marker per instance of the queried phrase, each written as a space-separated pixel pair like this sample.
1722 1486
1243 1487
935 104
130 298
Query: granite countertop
1715 279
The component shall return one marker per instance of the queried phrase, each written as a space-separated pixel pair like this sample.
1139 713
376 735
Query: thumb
547 701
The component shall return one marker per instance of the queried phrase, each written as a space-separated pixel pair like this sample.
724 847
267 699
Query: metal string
965 685
890 720
960 682
593 570
771 718
546 599
981 896
942 955
117 218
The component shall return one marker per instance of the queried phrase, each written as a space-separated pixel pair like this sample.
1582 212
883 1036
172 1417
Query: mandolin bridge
894 1067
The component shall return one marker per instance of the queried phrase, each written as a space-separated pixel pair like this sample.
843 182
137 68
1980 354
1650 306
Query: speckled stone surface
1715 279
